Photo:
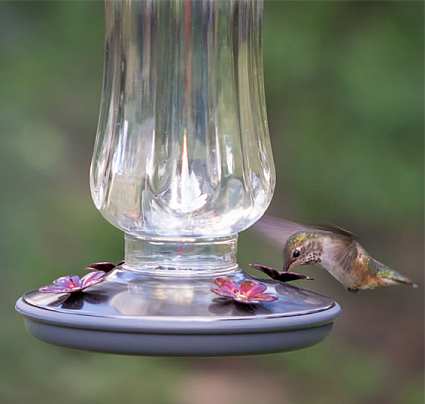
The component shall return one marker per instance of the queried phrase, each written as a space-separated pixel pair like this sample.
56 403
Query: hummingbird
331 247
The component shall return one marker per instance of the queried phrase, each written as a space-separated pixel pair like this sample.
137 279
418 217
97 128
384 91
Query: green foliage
345 81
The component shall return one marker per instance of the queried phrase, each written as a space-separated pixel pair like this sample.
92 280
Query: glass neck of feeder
181 256
182 149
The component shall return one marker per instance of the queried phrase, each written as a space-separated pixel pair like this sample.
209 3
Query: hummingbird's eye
296 253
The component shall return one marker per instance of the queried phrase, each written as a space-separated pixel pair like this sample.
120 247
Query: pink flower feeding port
247 292
182 163
73 283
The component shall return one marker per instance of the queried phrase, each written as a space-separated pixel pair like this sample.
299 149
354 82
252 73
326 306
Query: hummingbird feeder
182 163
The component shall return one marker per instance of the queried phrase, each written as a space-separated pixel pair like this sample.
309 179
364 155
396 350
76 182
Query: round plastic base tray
139 315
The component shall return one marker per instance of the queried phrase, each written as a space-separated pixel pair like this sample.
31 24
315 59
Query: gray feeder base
137 315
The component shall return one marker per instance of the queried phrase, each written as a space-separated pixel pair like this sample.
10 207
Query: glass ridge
182 148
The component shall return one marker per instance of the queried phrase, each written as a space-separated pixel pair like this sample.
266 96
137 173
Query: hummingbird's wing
343 251
333 228
278 230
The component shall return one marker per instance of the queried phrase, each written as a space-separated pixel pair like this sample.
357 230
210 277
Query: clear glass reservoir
182 160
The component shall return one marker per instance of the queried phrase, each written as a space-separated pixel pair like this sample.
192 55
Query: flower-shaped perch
104 266
246 292
73 283
282 276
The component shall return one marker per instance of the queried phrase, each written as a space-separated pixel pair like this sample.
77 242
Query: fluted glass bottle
182 161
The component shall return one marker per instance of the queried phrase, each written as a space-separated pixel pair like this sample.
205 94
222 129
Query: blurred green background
346 110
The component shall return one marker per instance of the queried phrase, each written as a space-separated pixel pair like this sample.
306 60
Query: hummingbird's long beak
287 266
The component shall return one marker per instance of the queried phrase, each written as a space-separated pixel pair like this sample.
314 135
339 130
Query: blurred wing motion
335 229
277 230
284 276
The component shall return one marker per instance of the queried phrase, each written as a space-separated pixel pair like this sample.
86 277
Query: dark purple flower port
105 266
282 276
246 292
73 283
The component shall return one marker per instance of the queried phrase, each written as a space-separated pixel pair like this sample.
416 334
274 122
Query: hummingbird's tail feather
391 277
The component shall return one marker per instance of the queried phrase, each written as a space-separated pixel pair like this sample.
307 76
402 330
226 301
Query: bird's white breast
331 256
